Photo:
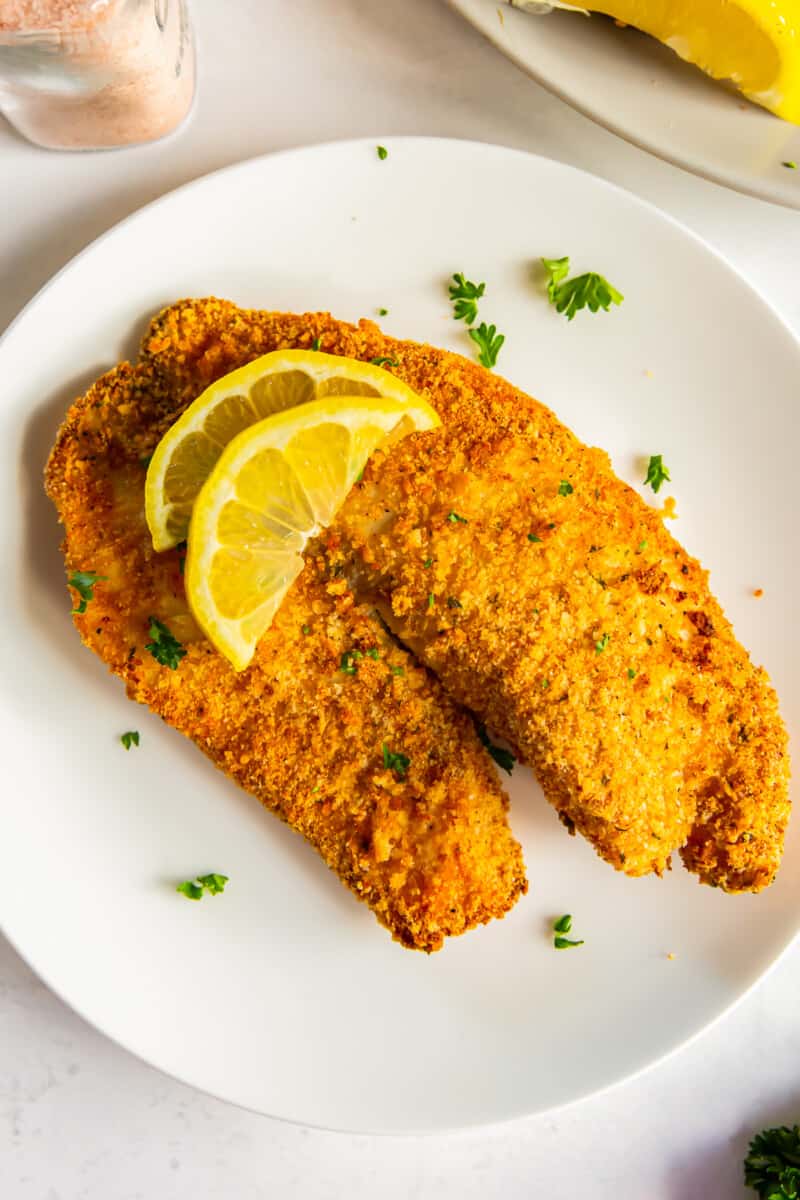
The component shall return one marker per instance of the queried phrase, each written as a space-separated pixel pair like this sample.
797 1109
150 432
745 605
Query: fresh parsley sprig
131 738
195 889
489 343
164 648
83 582
569 296
465 296
657 473
560 927
772 1165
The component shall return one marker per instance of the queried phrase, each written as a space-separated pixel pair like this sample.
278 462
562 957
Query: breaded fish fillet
427 847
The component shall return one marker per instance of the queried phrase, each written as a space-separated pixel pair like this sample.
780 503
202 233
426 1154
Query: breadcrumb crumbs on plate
668 511
758 593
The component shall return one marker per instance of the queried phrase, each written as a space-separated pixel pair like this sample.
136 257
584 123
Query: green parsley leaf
347 663
145 460
631 673
455 519
569 296
395 762
397 670
533 538
373 653
317 342
454 602
83 582
790 164
657 473
600 646
562 943
489 342
772 1165
384 362
195 889
642 546
131 738
545 684
382 152
383 312
504 758
164 648
431 599
213 883
192 891
465 295
428 563
563 924
565 488
305 630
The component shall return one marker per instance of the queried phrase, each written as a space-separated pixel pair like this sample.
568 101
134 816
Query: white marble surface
80 1119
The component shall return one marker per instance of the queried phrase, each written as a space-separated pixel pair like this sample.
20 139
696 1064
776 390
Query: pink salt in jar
93 74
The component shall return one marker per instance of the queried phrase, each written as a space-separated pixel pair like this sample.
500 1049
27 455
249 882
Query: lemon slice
753 43
185 456
274 487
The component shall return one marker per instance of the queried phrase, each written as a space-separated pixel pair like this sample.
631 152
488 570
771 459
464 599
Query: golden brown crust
431 854
543 603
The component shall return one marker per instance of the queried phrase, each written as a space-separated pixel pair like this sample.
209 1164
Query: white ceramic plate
284 994
646 94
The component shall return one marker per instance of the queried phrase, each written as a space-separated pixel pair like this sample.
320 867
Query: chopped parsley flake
382 152
373 653
465 296
790 164
145 460
317 342
631 673
164 648
455 519
384 362
83 582
431 599
383 312
545 684
305 630
569 296
563 924
642 546
504 758
565 488
533 538
395 762
131 738
489 343
195 889
428 563
562 943
600 646
397 670
657 473
347 663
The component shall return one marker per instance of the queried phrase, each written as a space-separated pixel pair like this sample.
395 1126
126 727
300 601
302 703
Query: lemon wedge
276 485
753 43
186 455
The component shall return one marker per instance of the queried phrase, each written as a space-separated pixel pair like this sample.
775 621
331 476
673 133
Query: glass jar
93 74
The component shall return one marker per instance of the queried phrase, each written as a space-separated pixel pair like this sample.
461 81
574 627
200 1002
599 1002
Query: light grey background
79 1118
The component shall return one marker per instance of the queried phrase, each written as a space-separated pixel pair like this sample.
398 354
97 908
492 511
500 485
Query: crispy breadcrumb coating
544 593
429 851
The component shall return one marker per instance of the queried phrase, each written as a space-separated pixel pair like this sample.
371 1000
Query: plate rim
701 243
550 84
